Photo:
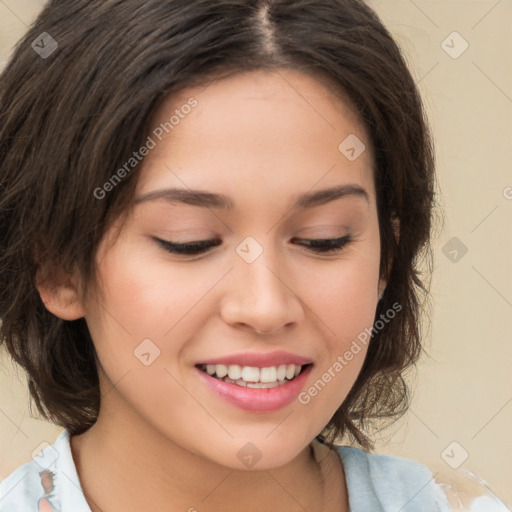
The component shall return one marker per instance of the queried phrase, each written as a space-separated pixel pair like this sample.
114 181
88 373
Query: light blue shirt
375 483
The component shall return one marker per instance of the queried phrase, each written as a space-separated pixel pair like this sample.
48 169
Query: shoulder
388 482
21 489
399 483
467 492
50 477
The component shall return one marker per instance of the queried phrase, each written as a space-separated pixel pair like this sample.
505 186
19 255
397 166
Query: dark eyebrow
220 201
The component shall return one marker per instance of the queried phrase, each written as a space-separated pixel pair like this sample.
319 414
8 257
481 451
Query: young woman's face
262 141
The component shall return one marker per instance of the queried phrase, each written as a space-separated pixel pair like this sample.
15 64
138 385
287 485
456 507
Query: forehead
282 129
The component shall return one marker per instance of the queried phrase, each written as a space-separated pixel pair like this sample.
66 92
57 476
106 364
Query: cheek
344 304
144 295
138 325
343 296
149 306
346 312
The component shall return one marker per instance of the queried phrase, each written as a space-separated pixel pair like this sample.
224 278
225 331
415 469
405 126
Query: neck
157 471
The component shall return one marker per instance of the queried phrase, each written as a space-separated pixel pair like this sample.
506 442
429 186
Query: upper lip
261 360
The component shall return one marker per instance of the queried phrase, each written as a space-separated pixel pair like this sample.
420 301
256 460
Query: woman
211 216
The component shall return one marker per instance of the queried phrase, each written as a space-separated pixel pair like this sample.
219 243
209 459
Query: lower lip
257 400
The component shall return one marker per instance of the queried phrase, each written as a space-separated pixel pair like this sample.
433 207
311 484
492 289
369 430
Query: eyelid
325 246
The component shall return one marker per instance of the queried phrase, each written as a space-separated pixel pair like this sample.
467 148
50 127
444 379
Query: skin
262 138
47 481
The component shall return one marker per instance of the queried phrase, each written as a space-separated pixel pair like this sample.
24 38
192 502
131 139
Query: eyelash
319 246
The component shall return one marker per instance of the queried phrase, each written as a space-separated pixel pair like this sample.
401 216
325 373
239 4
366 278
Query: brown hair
69 120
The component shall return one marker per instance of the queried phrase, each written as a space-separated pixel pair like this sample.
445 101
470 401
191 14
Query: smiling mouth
254 377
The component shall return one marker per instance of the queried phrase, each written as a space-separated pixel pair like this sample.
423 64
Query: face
261 287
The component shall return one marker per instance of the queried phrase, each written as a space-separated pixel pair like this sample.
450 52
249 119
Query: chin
258 455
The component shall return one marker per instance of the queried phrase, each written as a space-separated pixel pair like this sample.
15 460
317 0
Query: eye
327 245
323 245
189 248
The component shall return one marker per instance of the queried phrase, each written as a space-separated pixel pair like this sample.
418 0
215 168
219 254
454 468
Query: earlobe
382 288
62 300
395 222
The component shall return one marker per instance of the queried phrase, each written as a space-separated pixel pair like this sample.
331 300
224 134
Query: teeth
261 385
220 369
252 376
268 374
281 372
254 385
234 371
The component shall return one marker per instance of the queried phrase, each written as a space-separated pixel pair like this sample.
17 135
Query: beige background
464 391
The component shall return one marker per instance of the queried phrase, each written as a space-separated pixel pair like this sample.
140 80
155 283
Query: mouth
254 377
252 388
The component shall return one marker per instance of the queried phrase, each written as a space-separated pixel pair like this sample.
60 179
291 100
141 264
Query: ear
395 222
61 297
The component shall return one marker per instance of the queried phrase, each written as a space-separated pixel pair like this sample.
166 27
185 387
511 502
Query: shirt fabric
375 483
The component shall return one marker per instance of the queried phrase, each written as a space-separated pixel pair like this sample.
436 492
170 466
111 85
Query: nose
260 296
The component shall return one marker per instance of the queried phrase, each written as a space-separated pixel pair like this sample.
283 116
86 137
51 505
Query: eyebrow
220 201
